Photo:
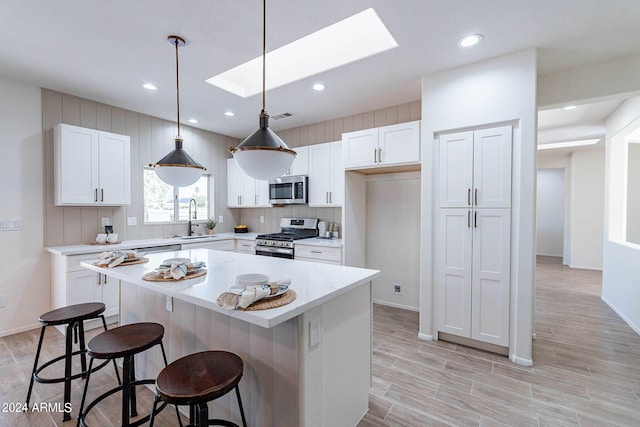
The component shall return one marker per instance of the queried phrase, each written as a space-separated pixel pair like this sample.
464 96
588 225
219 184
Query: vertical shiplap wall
151 139
319 133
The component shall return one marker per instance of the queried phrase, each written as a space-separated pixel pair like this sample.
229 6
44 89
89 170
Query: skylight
568 144
354 38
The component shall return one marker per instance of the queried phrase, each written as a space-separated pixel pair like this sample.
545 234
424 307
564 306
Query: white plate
178 260
282 289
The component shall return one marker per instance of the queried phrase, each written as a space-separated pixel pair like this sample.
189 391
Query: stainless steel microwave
289 190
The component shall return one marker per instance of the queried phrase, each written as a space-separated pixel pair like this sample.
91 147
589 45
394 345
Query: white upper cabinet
385 146
300 165
91 167
326 174
244 191
475 168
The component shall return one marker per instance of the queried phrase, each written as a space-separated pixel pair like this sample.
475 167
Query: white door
336 198
454 271
399 144
360 149
492 167
114 169
319 174
76 165
455 170
490 272
234 183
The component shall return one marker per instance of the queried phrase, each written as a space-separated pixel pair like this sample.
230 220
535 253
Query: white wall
587 209
633 194
24 280
550 212
621 264
501 90
393 241
549 160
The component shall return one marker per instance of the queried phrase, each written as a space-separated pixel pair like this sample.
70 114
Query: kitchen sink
195 237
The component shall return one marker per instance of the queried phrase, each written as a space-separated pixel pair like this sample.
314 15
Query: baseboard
425 337
635 328
391 304
493 348
582 267
522 361
553 255
21 329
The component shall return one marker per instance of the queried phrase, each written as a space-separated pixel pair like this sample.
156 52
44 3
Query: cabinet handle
255 199
375 155
475 197
326 197
316 252
99 279
468 197
475 219
468 219
379 155
330 197
95 195
102 194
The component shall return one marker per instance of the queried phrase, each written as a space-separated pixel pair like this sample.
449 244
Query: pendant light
263 155
177 168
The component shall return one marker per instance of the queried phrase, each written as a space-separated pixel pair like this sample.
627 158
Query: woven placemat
125 263
265 304
154 276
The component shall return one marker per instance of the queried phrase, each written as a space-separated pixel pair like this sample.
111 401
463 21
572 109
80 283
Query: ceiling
106 50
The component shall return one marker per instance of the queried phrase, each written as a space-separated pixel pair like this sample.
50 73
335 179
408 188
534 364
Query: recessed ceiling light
319 87
567 144
569 107
470 41
192 121
229 113
149 86
357 37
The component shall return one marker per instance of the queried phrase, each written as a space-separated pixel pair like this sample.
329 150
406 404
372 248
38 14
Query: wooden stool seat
125 340
199 377
72 313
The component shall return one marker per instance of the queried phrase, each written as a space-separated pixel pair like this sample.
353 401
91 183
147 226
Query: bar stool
73 316
124 341
197 379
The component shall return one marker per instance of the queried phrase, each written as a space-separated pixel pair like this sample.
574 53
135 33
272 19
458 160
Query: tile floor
586 372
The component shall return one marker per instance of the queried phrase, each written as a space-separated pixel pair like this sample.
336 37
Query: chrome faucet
195 214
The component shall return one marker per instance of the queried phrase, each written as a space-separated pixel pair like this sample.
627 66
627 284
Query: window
164 203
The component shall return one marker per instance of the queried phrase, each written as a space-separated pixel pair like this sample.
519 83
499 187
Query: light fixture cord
177 86
264 54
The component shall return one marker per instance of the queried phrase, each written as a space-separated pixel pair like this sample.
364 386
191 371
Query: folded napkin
239 298
178 270
113 258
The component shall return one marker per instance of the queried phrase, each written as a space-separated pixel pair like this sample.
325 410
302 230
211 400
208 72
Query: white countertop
314 283
145 243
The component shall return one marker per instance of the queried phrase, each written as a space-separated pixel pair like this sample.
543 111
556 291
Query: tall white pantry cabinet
473 234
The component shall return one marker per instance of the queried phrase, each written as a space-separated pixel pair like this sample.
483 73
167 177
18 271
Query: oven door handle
274 250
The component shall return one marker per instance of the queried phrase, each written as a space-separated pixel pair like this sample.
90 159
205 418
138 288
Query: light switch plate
169 303
132 220
106 221
220 219
314 332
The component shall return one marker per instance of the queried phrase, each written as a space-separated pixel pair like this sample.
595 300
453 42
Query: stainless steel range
281 244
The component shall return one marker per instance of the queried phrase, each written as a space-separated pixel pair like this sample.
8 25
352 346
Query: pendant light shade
178 168
263 155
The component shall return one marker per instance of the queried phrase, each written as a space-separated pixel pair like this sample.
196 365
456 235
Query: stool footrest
39 379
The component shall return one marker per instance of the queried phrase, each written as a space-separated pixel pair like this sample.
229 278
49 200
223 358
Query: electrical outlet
220 219
314 332
169 303
261 219
3 301
106 221
397 288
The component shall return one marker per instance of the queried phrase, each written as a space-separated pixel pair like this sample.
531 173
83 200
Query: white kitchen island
289 379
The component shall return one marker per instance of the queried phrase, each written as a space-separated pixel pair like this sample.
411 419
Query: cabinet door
110 294
262 193
336 196
492 167
300 165
360 149
248 196
234 183
114 169
490 272
75 165
455 182
319 174
81 287
399 144
454 271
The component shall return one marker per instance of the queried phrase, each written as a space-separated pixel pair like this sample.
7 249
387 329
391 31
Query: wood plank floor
586 366
586 370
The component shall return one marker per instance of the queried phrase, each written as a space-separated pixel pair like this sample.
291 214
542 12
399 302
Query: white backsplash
251 217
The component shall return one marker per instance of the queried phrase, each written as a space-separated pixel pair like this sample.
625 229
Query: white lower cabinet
220 245
473 283
322 254
246 246
73 284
